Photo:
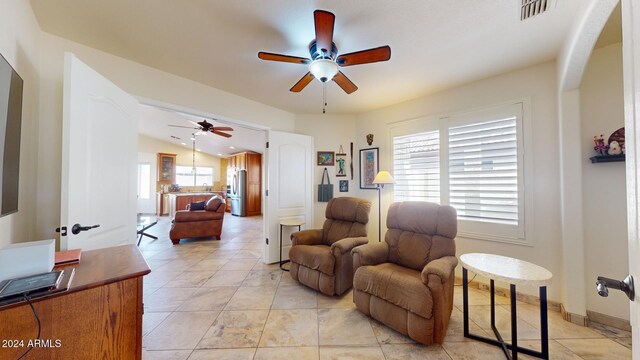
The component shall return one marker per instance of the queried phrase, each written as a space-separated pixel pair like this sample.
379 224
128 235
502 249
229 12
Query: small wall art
341 163
344 185
368 167
326 158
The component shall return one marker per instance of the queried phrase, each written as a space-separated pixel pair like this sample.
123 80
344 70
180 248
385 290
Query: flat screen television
10 126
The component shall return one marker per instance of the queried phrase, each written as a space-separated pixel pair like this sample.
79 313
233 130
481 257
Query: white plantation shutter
483 170
416 167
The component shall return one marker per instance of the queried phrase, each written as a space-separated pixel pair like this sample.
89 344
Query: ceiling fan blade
221 133
186 127
302 83
324 22
283 58
344 83
222 128
382 53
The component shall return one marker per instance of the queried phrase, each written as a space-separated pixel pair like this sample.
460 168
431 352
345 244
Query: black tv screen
10 124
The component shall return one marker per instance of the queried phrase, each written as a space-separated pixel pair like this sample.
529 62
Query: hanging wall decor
369 139
351 164
368 168
326 158
341 163
344 185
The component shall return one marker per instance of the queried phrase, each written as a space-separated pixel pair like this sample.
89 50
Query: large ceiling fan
325 61
206 127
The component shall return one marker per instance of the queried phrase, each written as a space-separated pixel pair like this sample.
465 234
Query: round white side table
283 223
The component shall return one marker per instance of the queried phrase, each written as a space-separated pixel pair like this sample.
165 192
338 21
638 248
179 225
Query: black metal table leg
514 324
286 261
544 323
465 302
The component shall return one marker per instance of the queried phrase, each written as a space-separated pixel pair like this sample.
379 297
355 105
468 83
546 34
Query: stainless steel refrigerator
238 193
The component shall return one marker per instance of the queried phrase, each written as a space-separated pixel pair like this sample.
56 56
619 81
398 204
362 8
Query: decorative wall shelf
607 158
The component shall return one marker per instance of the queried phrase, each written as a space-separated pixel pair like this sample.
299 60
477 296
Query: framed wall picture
341 165
326 158
368 167
344 185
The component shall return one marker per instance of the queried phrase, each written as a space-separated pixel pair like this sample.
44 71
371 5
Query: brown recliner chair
406 282
199 223
321 258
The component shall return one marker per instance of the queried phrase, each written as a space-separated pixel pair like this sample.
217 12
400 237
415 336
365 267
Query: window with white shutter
483 170
416 167
472 161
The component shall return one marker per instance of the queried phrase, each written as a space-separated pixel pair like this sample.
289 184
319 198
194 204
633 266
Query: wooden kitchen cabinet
252 163
166 167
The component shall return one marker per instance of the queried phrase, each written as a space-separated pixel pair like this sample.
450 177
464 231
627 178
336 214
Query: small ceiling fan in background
206 127
325 61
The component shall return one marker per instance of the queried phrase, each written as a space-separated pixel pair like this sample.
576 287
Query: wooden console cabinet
99 317
179 201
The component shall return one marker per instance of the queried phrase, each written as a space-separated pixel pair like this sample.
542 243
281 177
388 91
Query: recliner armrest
442 267
370 254
347 244
307 237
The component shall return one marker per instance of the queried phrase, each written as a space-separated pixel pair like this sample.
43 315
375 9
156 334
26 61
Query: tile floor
208 299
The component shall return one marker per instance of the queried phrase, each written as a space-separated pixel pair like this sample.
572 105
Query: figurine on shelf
600 147
614 148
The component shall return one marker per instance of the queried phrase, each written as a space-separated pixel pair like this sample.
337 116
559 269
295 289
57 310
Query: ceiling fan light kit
325 62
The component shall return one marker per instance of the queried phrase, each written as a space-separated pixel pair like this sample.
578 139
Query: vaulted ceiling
435 44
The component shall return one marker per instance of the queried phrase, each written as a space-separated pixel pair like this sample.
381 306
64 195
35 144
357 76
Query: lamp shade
323 69
383 177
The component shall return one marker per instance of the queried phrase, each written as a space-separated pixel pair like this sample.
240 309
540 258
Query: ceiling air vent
531 8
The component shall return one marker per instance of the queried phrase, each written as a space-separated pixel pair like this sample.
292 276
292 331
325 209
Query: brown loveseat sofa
199 223
321 258
406 282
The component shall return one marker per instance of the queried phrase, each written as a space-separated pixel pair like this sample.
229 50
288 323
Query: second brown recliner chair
321 258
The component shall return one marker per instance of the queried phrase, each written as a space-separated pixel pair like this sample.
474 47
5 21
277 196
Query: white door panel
99 159
631 75
290 185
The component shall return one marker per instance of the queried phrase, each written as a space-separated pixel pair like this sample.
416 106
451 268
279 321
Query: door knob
603 284
77 228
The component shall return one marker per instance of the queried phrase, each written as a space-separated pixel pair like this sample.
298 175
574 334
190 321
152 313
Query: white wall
539 84
329 132
148 144
139 80
20 46
603 184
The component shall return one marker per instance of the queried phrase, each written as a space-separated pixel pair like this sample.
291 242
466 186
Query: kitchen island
180 200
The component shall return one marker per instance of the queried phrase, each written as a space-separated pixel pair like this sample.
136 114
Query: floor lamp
382 178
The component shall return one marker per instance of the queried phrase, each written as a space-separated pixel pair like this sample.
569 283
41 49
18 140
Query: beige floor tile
414 352
295 297
345 327
455 330
190 279
624 341
239 264
286 278
223 354
261 266
291 328
150 320
481 315
227 278
254 246
472 350
280 353
158 278
476 297
251 298
235 329
263 278
165 354
558 327
208 265
351 353
207 299
248 254
556 350
180 330
609 331
167 299
182 263
386 335
344 301
591 349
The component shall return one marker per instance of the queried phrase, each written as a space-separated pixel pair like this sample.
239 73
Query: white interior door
145 183
290 188
99 157
631 74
